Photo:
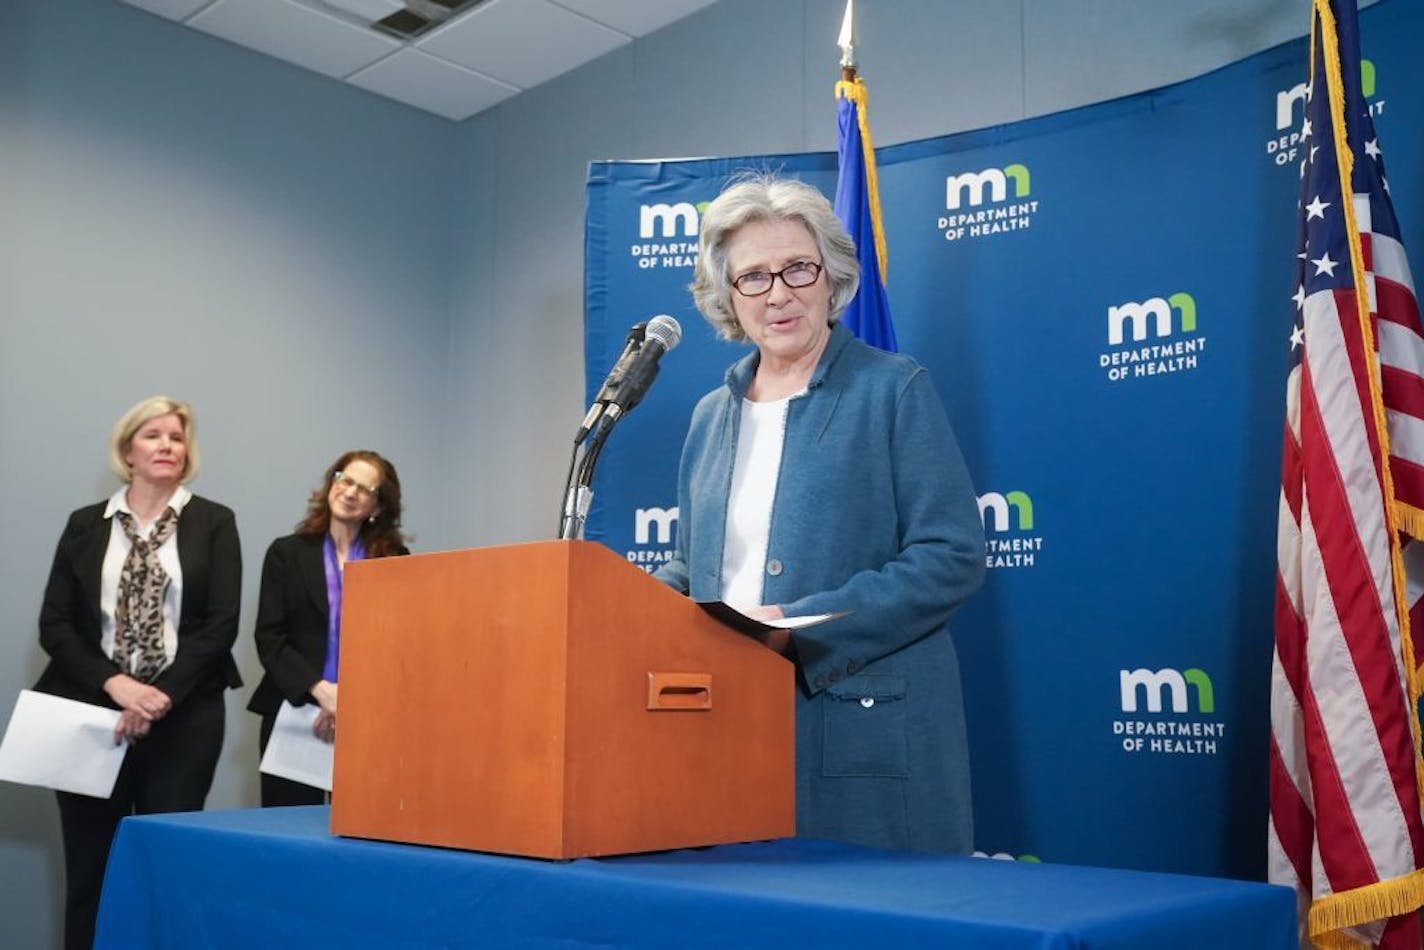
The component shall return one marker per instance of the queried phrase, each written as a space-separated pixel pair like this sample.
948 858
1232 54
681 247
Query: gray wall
317 268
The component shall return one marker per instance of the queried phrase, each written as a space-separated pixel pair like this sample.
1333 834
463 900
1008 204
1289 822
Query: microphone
631 346
663 334
624 388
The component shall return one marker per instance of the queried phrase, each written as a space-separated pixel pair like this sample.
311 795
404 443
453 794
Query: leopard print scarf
138 617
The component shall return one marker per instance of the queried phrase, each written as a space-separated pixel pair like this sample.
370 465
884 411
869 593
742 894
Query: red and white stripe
1401 352
1344 802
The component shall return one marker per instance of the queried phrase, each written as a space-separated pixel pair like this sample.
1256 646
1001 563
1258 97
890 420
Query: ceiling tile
432 84
635 17
522 42
297 34
173 9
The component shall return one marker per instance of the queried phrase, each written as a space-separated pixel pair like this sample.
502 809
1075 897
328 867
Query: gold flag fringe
1333 913
854 90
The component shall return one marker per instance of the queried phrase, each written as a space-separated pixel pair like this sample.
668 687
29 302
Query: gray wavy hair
767 197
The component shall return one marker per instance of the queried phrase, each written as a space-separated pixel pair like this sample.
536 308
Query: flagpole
852 89
846 41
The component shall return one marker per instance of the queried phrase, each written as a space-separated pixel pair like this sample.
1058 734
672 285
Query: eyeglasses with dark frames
795 276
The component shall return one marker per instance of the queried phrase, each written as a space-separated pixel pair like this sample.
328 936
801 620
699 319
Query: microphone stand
570 526
578 484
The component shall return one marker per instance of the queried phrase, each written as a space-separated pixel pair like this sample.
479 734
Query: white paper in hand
62 744
293 752
734 618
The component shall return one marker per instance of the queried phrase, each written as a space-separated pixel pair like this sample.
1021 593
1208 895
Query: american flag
1346 827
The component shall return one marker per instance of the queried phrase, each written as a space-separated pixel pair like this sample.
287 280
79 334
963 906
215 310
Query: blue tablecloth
277 878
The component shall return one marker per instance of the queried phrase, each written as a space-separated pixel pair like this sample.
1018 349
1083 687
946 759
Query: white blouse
754 476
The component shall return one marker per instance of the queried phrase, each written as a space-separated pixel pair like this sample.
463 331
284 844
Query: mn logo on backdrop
1175 710
1152 337
1005 856
653 537
667 234
979 203
1009 540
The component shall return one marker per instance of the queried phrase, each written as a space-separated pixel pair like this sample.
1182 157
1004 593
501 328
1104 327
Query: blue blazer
874 514
71 623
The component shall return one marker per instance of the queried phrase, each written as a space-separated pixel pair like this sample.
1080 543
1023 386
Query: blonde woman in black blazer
354 513
170 698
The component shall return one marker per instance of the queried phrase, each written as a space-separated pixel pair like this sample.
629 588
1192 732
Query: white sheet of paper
58 743
294 753
739 621
805 620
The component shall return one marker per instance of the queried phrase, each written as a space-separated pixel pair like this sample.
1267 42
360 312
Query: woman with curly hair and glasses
355 513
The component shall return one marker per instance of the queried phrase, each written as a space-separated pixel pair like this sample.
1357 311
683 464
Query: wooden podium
551 700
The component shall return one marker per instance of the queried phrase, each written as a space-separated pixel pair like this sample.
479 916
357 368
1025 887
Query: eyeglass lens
346 481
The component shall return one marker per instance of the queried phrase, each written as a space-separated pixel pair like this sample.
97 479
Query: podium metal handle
679 692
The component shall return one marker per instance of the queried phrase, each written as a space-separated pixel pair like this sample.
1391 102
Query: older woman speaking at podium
823 477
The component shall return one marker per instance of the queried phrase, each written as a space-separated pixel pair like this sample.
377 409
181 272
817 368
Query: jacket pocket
865 728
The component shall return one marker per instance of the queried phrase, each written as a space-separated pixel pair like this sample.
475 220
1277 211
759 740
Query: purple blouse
333 602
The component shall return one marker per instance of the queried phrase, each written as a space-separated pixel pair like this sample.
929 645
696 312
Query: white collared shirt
114 558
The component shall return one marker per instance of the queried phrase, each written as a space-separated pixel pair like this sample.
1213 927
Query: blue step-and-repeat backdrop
1102 297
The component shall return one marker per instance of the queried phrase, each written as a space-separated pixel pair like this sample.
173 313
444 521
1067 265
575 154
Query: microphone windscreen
665 330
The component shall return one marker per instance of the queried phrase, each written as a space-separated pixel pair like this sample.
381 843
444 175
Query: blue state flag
858 206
